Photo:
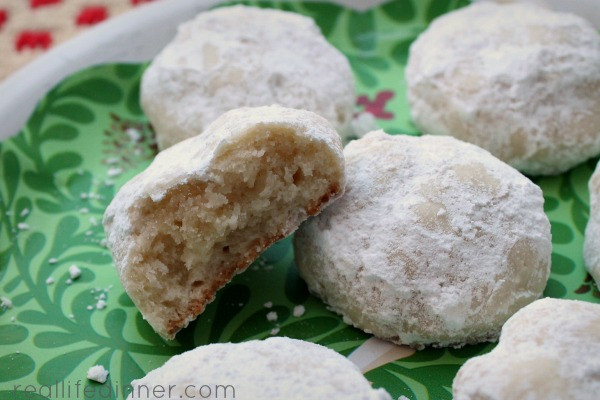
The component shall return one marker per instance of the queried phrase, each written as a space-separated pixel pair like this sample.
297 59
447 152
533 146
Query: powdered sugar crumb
134 134
272 316
6 303
298 311
97 373
74 271
113 172
100 304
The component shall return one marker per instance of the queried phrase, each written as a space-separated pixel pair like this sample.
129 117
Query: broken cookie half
208 206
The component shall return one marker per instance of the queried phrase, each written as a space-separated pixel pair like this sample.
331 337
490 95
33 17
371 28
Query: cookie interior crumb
187 240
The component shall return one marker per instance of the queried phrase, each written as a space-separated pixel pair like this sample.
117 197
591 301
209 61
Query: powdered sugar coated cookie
517 79
435 241
591 246
207 207
242 56
275 368
547 350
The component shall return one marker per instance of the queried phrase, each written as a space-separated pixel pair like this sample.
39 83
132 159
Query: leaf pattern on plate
14 366
12 334
88 136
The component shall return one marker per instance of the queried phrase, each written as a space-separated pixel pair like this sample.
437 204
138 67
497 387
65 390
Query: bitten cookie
244 57
547 350
520 80
435 242
271 369
206 208
591 246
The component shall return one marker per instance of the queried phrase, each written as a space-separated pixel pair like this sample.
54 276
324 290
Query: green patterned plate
88 136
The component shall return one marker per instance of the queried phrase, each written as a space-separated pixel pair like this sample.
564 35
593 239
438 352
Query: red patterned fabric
92 15
40 3
28 28
33 39
3 17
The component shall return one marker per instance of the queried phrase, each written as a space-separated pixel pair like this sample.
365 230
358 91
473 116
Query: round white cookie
547 350
436 242
591 246
242 56
275 368
208 206
520 80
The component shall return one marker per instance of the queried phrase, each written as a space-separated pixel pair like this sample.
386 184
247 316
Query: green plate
88 136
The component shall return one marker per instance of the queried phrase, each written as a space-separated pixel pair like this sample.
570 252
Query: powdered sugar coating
244 57
435 241
193 160
547 350
274 368
591 246
517 79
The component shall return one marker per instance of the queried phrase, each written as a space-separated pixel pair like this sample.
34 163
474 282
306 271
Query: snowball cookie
591 246
547 350
275 368
435 242
519 80
244 56
206 208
